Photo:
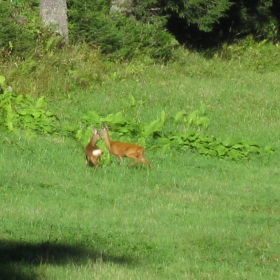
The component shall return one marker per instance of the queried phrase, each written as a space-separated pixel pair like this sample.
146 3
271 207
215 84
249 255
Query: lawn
189 217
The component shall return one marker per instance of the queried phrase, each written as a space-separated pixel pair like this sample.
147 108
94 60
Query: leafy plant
234 149
127 129
196 118
23 111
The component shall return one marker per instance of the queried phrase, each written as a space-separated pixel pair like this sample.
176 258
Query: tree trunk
122 6
55 12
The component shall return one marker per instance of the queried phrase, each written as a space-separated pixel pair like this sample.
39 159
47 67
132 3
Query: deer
92 151
121 149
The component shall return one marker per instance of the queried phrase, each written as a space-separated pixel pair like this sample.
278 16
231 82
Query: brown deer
120 149
92 151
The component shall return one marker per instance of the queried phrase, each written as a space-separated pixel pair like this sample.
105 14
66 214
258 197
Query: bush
21 31
19 35
119 36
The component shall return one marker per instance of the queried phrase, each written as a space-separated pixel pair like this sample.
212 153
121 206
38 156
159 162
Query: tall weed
260 56
56 73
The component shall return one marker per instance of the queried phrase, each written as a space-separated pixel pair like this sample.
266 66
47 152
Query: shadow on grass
18 261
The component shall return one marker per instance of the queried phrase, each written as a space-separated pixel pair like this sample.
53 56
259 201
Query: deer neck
93 140
107 140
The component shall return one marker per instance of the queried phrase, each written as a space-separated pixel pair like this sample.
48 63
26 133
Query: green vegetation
25 113
153 28
22 111
209 206
191 216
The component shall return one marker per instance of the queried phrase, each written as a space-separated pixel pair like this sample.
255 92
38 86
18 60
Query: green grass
189 217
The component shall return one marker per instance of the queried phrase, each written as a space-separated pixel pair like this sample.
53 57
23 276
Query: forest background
152 27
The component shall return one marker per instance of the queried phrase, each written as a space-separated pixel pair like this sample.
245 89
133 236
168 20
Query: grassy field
189 217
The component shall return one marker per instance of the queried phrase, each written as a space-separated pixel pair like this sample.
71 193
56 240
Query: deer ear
94 131
106 126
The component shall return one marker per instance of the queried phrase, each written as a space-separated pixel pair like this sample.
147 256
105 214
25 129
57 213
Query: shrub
23 111
119 36
21 31
18 33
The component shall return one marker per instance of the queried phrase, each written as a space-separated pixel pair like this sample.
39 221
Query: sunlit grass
189 217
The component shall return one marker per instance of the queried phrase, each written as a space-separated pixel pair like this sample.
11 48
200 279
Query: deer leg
136 160
94 162
146 162
139 160
120 159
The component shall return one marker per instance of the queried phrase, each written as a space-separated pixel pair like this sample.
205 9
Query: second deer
120 149
92 151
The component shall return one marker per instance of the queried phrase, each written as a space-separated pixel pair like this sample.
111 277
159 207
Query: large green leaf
221 150
228 142
179 116
235 155
2 80
154 126
40 103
